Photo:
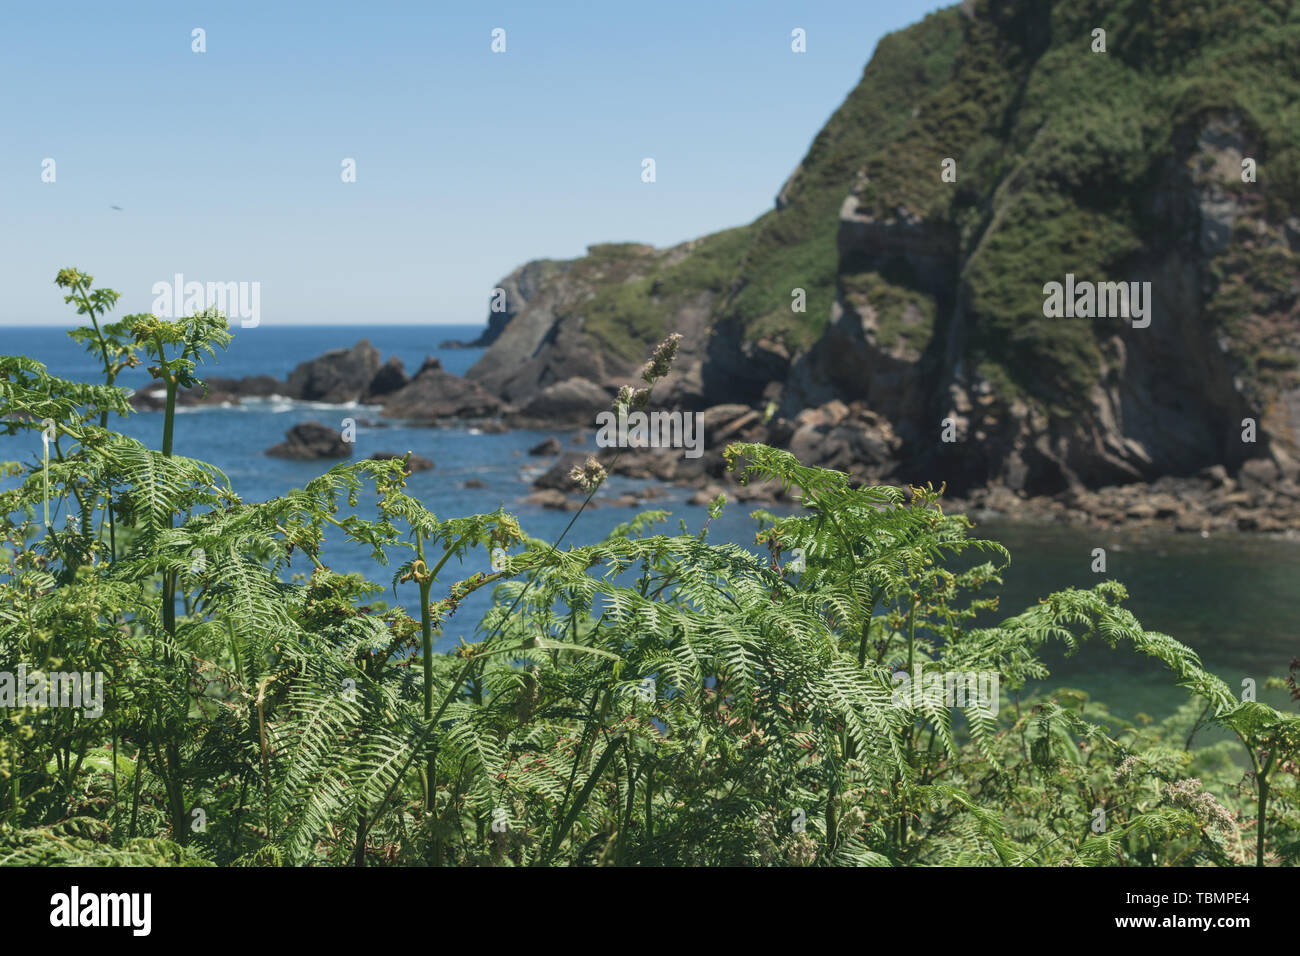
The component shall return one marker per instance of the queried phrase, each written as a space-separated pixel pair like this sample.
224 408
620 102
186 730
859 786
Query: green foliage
794 245
640 287
1067 161
651 699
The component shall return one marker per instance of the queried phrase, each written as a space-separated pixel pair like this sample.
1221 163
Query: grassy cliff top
1059 151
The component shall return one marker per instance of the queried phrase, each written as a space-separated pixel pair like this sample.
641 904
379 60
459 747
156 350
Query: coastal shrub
651 699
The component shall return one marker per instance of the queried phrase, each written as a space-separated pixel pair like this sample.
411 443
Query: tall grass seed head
662 359
590 476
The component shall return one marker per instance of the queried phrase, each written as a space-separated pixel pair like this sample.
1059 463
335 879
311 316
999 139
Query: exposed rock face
390 378
557 476
1168 399
250 386
574 323
925 348
435 394
1205 504
575 401
545 344
849 438
413 464
516 290
340 375
309 441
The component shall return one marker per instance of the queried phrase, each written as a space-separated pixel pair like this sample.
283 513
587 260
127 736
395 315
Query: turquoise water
1235 599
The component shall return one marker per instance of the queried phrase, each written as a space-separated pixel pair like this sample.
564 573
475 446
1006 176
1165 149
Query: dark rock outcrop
250 386
219 391
571 326
435 394
390 378
340 375
557 477
309 441
575 401
512 294
892 324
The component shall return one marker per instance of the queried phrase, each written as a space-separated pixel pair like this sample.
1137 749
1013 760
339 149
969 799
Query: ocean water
1235 599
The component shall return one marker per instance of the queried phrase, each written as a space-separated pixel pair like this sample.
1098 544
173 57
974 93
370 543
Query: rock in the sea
553 499
435 393
309 441
413 464
574 401
661 464
218 391
340 375
250 386
619 501
557 476
390 378
475 483
550 446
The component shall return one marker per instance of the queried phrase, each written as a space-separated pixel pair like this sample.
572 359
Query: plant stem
425 582
169 578
109 377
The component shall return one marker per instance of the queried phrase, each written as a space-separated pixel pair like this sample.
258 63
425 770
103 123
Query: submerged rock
309 441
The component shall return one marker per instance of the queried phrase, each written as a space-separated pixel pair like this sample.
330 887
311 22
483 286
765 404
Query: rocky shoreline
1260 497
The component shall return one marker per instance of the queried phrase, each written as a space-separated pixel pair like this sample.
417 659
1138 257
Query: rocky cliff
924 292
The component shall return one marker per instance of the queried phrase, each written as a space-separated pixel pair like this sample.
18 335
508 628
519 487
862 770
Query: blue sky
227 163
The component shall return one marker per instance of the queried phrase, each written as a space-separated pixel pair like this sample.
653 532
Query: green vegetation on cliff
633 312
794 246
1067 161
